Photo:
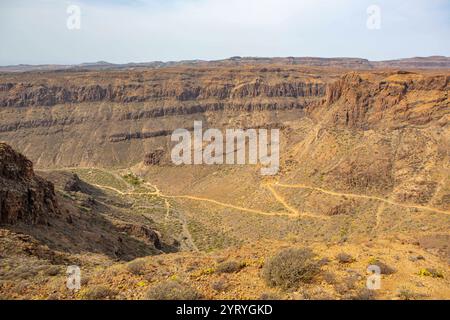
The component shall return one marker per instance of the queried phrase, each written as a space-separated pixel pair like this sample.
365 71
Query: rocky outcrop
157 112
393 100
38 94
143 232
154 158
73 184
24 196
116 118
117 137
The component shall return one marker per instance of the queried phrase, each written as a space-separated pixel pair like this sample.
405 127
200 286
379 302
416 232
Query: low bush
230 267
99 293
52 271
172 290
344 258
315 293
269 296
430 272
219 285
363 294
329 277
132 179
384 268
289 268
407 294
136 267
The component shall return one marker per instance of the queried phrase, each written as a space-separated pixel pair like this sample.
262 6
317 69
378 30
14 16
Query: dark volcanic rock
23 195
73 184
154 157
141 231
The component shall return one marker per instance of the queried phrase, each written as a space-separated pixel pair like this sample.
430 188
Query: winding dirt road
361 196
290 210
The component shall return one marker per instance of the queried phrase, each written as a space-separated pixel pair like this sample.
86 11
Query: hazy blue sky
35 31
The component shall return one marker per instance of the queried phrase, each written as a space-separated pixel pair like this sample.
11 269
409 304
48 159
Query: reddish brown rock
24 196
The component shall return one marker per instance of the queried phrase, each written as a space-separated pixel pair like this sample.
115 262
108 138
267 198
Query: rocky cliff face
111 118
393 100
181 85
23 195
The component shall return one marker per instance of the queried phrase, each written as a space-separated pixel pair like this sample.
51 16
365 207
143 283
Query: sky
121 31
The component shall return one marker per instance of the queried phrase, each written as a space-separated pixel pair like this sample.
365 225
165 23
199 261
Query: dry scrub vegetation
172 290
291 267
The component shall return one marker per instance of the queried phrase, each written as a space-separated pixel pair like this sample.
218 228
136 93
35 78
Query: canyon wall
118 118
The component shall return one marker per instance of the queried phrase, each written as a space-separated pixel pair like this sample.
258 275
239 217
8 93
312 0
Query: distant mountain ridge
432 62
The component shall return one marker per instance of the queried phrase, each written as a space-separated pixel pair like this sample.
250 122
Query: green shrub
289 268
132 179
172 290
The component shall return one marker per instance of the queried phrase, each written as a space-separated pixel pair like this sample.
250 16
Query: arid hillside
364 170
